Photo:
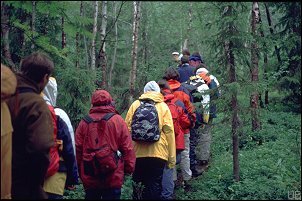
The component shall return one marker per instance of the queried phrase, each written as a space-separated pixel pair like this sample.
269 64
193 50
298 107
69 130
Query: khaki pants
203 147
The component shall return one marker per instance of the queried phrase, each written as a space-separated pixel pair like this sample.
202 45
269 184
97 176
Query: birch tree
186 42
102 60
135 26
254 68
115 46
94 30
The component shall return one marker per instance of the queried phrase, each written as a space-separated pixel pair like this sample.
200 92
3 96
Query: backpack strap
106 117
25 90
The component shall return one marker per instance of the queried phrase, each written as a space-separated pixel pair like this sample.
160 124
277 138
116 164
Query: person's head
175 56
37 67
186 52
50 91
171 73
195 59
201 67
151 86
184 59
8 82
164 86
204 74
101 98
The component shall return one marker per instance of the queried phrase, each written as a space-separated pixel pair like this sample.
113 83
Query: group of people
166 127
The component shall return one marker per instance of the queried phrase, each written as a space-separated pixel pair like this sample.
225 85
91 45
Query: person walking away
203 153
180 121
180 92
103 133
33 129
185 70
8 88
201 96
155 145
67 173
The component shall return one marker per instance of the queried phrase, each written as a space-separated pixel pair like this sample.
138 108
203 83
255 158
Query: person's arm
67 152
40 138
125 145
168 129
79 139
204 90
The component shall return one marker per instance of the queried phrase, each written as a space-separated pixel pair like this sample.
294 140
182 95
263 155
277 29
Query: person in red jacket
181 121
119 139
172 76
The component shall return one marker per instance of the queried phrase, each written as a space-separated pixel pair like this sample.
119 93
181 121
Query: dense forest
253 48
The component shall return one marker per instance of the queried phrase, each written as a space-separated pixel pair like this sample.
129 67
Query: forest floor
270 164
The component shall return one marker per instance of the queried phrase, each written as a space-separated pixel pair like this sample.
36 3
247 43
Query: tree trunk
63 34
78 38
254 69
96 6
268 16
265 65
228 47
5 35
234 108
33 20
136 18
186 42
115 48
102 58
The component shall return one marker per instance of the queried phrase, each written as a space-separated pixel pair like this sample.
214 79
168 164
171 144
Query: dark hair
36 66
201 65
184 59
186 52
171 73
196 57
163 84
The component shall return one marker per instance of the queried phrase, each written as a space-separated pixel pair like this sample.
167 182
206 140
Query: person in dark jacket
185 70
33 128
110 186
68 171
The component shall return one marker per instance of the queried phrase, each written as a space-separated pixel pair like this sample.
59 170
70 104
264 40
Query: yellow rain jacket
164 148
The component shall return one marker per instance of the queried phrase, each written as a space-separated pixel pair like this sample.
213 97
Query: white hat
200 70
151 86
175 53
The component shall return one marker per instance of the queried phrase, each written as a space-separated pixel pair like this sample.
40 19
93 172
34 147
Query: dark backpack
54 157
99 158
193 90
145 122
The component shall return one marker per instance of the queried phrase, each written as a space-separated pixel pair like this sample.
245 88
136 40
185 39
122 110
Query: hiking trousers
185 161
147 178
203 148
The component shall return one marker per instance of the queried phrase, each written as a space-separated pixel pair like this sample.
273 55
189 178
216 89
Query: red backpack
99 158
179 134
54 150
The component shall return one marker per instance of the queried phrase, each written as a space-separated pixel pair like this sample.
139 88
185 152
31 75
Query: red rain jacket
120 138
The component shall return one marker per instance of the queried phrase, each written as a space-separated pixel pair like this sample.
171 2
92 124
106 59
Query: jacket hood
50 92
174 84
8 81
101 98
151 86
153 95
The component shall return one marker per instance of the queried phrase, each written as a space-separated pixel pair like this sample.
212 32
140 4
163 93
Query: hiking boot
197 172
187 186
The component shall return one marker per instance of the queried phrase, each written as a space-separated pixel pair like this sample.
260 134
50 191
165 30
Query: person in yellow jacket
8 88
151 157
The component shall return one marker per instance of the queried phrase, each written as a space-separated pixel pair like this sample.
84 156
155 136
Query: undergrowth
270 165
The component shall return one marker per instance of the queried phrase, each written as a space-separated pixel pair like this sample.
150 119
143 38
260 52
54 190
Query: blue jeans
167 181
103 194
